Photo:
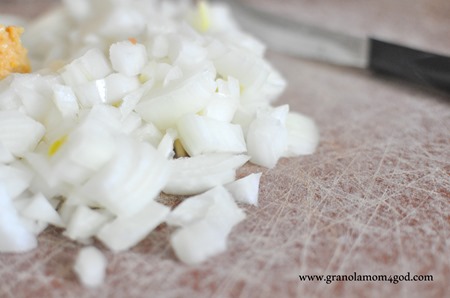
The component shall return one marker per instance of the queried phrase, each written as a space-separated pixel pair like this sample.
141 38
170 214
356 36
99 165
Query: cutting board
373 200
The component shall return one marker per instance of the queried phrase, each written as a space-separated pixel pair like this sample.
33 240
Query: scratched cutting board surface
374 199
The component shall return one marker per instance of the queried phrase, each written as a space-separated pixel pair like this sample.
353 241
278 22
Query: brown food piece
13 56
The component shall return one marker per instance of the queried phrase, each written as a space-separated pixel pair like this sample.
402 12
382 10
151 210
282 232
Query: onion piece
39 208
166 146
90 267
201 135
132 178
197 242
198 174
16 178
163 107
128 58
266 141
205 227
84 223
126 231
65 100
149 133
19 133
93 65
303 135
5 154
13 234
245 190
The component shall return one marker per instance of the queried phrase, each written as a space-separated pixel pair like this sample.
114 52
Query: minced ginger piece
13 56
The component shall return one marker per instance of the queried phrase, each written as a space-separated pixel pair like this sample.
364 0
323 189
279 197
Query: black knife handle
428 69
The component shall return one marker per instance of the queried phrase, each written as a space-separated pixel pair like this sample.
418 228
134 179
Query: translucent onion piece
93 65
211 222
86 150
133 177
198 242
201 135
166 146
126 231
197 174
266 141
159 46
84 223
40 209
245 190
34 91
251 71
5 154
127 57
303 135
90 267
19 133
118 85
163 108
13 234
16 178
66 101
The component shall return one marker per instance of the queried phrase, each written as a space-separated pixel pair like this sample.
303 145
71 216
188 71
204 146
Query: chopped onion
90 267
126 231
165 107
132 178
19 133
246 189
303 135
5 154
127 57
266 141
40 209
206 221
16 178
200 135
200 173
93 65
84 223
13 234
106 123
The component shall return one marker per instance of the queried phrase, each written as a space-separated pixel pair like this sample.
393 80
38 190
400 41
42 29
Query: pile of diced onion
128 100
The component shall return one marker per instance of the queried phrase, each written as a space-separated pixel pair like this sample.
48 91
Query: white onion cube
19 133
65 100
303 135
93 65
132 178
201 135
128 58
90 267
40 208
266 141
197 174
163 107
16 178
14 236
245 190
126 231
118 85
84 223
198 242
204 234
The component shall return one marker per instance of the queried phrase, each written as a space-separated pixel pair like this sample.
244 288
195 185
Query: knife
313 42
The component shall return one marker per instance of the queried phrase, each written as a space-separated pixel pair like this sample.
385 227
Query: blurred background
417 23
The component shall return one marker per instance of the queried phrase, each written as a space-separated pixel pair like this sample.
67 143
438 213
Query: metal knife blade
313 42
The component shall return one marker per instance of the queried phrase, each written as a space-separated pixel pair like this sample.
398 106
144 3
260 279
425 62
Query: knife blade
313 42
